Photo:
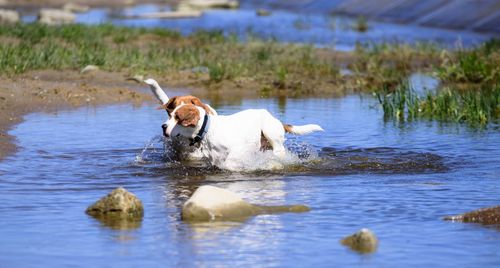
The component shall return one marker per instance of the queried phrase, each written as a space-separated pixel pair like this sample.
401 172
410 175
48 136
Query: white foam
296 154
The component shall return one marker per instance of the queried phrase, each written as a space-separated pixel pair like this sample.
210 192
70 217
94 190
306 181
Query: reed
474 107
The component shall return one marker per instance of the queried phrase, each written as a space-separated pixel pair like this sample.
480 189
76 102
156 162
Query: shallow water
398 180
285 26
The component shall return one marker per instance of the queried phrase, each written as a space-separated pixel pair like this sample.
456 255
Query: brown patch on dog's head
288 128
187 115
188 99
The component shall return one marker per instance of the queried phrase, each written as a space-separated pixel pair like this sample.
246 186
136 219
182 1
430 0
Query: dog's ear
170 105
188 116
198 102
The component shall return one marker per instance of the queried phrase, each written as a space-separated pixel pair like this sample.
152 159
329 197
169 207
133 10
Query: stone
263 12
89 69
213 203
52 16
74 7
9 16
119 204
208 4
363 241
178 14
209 203
484 216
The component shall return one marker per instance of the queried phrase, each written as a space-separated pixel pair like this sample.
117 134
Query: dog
181 148
225 140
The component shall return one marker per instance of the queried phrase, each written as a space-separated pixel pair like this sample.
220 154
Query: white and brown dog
226 140
239 134
181 147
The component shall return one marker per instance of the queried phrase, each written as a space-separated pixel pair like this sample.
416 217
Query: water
285 26
396 179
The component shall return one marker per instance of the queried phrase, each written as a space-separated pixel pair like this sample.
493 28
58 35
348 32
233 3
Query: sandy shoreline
50 90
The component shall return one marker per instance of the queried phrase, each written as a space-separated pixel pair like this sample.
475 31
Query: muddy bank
49 91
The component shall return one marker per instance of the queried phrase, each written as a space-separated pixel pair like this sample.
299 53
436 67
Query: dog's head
184 121
188 99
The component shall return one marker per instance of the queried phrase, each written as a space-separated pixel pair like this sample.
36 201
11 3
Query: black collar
203 131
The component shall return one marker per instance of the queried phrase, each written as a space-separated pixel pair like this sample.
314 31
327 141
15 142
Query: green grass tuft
474 107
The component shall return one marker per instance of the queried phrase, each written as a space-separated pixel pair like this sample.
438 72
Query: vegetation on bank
34 46
470 78
474 107
470 90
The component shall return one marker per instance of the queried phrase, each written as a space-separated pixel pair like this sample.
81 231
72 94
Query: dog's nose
164 128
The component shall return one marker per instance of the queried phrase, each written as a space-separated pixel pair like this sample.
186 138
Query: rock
9 16
89 68
263 12
119 204
207 4
209 203
74 7
213 203
485 216
170 14
51 16
364 241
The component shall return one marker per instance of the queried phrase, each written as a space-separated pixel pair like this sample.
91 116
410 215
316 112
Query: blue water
318 29
399 180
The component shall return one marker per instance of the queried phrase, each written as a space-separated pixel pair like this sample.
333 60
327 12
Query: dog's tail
157 91
302 130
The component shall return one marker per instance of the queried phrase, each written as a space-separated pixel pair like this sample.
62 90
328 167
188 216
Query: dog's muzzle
164 128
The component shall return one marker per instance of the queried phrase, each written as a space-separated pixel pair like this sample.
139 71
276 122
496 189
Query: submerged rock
52 16
363 241
120 203
209 203
213 203
263 12
485 216
74 7
8 16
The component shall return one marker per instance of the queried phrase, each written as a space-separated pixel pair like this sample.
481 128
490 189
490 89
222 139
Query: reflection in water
120 223
207 230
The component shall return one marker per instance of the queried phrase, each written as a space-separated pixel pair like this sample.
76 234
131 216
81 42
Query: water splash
301 158
150 152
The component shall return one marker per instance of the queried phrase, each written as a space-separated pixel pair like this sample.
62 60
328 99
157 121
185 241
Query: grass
470 90
35 46
361 24
474 107
480 65
387 65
